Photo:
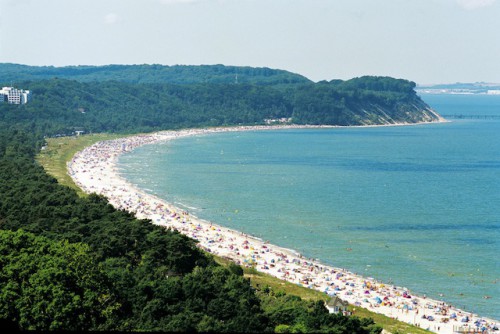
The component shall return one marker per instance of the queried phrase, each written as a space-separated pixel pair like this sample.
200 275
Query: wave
187 206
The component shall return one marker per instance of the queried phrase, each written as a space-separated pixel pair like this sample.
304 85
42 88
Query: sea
414 206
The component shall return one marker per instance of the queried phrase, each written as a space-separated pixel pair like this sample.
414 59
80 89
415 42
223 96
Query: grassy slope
389 324
61 150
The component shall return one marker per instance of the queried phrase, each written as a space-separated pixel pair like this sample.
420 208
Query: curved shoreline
94 170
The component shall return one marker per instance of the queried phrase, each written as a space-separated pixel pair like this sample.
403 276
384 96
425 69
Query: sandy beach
94 170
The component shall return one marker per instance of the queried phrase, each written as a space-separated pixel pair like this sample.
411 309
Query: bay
417 206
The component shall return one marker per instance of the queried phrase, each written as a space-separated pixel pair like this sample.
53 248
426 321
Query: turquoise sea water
418 206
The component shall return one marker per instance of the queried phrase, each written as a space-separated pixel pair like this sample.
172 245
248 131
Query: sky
426 41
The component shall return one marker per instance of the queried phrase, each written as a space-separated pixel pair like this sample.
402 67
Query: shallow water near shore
418 206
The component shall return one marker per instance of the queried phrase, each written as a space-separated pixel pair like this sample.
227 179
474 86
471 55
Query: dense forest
123 106
76 263
178 74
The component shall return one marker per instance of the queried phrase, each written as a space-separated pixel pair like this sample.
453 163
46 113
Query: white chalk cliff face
416 114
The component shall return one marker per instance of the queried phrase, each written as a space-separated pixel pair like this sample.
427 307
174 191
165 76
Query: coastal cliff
119 273
362 101
119 98
401 113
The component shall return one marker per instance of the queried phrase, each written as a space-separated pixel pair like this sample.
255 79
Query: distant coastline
479 88
457 92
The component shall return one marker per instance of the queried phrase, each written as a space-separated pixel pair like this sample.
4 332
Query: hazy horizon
428 42
91 65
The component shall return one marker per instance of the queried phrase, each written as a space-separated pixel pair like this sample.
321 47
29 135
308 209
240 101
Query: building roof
336 301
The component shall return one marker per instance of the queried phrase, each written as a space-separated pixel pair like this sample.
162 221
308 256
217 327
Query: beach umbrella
378 300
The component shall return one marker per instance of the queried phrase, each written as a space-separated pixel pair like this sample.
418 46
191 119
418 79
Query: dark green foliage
215 299
125 106
290 314
151 269
179 74
136 276
49 285
158 276
74 263
235 269
359 101
379 84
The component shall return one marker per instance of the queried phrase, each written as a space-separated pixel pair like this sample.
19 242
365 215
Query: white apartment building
14 96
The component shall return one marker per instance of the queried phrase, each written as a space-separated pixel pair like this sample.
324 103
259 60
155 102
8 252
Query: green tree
49 285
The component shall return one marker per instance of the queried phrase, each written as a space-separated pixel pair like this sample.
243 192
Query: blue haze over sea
416 206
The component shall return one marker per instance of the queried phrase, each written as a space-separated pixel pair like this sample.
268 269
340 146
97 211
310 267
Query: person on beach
93 170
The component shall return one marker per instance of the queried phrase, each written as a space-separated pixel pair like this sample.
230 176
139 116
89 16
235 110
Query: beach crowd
94 170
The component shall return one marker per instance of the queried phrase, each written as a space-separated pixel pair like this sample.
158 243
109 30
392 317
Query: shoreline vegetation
145 277
146 98
54 159
93 170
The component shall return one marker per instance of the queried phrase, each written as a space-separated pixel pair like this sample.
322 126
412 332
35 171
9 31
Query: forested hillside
118 106
73 263
178 74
